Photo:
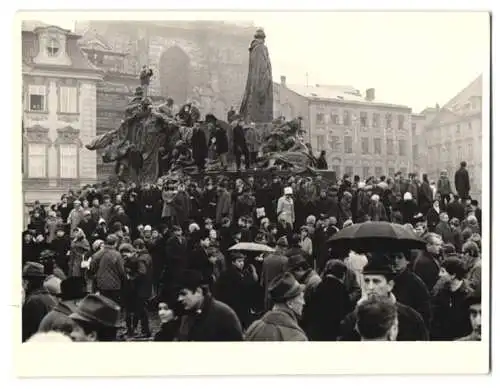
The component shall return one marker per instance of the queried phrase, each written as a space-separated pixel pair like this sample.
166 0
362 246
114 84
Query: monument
257 104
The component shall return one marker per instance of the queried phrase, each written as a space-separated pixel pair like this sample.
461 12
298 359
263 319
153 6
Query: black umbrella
376 236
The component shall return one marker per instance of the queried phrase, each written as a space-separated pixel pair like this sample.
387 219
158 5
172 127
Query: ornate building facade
59 113
202 60
454 134
360 135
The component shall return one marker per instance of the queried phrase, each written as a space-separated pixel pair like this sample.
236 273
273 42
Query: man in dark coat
425 197
450 312
176 260
409 289
219 135
321 163
427 263
462 182
455 208
38 301
328 304
379 282
73 289
199 317
200 147
273 265
240 147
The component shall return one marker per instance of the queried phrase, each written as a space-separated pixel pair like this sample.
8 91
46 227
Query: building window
469 151
320 142
334 118
68 99
53 47
363 119
37 160
347 118
68 161
390 147
415 151
37 95
320 118
336 169
377 146
458 129
388 120
365 146
391 172
378 171
349 170
404 172
402 147
348 144
401 122
335 144
459 153
469 126
376 120
414 129
366 172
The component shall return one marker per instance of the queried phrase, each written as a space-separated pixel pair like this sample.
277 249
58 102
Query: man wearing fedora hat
273 266
378 280
38 301
281 323
73 289
96 320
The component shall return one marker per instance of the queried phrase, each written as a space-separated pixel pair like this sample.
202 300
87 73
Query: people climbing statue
145 77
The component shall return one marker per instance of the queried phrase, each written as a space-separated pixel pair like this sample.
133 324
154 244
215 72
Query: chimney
370 94
283 81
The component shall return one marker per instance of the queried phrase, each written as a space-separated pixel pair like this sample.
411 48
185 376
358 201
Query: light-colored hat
147 227
53 285
407 196
288 190
86 212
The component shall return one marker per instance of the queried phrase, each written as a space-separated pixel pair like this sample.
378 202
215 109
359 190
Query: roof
475 88
337 93
30 48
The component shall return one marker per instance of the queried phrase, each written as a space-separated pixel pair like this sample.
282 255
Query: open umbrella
250 246
376 236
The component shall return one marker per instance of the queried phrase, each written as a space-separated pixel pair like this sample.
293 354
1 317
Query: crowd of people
111 257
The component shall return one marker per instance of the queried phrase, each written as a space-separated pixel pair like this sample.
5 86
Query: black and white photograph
260 177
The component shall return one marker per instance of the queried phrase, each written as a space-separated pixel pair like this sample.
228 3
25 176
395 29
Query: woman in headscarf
79 248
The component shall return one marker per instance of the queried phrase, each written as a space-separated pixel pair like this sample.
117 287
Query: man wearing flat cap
281 323
378 277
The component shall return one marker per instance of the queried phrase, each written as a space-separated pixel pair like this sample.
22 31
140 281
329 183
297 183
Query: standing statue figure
257 104
145 76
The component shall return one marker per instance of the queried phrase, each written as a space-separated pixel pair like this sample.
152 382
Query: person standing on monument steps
145 77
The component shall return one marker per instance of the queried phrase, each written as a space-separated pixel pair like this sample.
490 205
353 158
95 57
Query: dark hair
139 244
294 240
375 317
454 266
111 239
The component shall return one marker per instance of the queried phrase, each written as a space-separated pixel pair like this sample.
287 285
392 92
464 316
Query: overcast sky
411 58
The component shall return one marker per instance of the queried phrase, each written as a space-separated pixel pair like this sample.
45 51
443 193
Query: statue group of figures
152 141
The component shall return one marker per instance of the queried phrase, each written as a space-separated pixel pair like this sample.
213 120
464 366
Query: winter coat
273 265
450 314
36 305
224 207
108 266
221 141
76 254
327 306
286 210
432 219
236 288
277 325
462 182
376 212
410 290
411 326
214 322
199 144
427 268
444 186
444 230
168 206
58 319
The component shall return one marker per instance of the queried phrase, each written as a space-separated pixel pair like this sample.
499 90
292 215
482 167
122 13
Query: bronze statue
257 104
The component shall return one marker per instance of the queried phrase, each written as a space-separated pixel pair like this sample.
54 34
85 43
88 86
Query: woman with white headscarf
408 208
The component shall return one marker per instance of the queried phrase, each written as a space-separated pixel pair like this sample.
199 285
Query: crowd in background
105 256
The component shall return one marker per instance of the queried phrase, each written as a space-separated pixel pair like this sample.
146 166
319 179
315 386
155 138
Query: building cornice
64 73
